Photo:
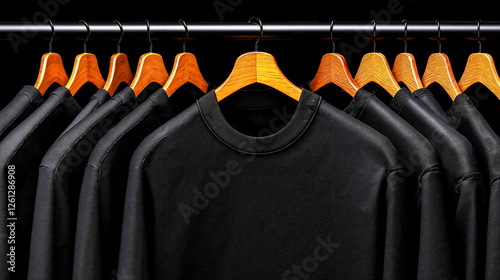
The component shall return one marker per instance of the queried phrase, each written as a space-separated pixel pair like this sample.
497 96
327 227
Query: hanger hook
261 30
331 34
479 34
186 34
149 36
406 34
88 35
439 35
53 34
121 36
374 35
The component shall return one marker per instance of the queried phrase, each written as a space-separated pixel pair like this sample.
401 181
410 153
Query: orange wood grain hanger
438 70
405 68
375 68
150 69
119 68
257 67
333 69
119 72
51 68
185 70
480 68
85 69
405 71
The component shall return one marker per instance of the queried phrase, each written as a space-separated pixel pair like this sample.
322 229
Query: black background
298 58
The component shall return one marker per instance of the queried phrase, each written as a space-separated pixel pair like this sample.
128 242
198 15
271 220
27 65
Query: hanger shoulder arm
480 68
119 72
375 68
51 71
405 71
85 70
438 70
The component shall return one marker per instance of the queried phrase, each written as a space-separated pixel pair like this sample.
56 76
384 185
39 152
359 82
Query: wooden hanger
481 69
438 70
375 68
333 69
185 70
119 69
150 69
257 67
85 69
51 68
405 71
405 68
119 72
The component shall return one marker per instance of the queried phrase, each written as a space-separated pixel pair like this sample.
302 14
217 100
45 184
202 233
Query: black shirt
22 150
466 192
100 208
314 193
417 155
464 115
21 106
59 182
486 143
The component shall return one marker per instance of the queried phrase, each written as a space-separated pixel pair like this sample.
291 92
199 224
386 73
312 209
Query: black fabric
432 244
427 98
486 143
317 189
99 98
466 193
464 115
23 149
59 182
487 103
100 208
22 105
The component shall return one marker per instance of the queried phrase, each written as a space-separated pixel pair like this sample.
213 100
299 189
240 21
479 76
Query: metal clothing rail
288 30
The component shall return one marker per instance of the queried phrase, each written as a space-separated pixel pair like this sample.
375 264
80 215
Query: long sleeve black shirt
59 182
464 115
312 194
466 192
432 248
22 150
100 207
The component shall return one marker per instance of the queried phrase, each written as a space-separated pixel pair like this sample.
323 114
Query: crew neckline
305 111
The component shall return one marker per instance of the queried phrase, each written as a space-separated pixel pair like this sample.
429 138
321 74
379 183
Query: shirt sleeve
470 227
41 262
493 238
52 239
435 260
87 240
398 243
133 260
